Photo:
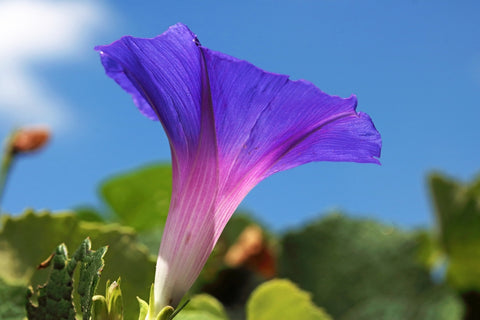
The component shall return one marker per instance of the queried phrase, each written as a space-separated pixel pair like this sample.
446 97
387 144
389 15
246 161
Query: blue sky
414 66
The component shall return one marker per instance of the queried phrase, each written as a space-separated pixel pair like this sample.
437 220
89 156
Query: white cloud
34 31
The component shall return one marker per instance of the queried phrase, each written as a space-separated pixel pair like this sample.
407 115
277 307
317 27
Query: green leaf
281 299
196 315
457 208
203 306
140 198
430 254
25 241
90 268
88 213
55 298
357 264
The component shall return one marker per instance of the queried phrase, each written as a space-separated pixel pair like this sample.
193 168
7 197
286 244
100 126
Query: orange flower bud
28 140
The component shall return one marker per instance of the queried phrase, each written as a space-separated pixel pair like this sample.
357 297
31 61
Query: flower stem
6 165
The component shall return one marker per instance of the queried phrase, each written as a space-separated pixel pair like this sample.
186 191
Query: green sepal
99 308
151 302
165 314
143 309
110 306
114 300
147 310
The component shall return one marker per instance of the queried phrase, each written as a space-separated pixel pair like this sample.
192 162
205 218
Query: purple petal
266 123
164 76
230 125
350 138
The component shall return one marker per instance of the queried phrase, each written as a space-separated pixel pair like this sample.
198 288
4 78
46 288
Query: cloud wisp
33 32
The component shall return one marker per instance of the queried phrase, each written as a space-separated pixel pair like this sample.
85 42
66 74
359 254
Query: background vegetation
352 268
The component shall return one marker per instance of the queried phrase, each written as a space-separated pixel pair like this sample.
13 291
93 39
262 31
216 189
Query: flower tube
230 125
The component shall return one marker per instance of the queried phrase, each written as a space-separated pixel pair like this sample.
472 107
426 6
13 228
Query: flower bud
31 139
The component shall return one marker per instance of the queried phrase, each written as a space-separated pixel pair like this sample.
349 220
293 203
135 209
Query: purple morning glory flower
230 125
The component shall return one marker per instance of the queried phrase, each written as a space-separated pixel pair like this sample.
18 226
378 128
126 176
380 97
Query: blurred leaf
202 307
140 198
433 305
352 264
25 241
12 298
151 239
87 213
458 217
196 315
429 252
235 227
281 299
206 303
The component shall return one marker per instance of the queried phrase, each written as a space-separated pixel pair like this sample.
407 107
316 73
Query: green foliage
200 307
147 310
203 306
87 213
12 300
110 306
429 252
360 269
25 241
355 269
90 268
458 217
281 299
55 298
140 198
